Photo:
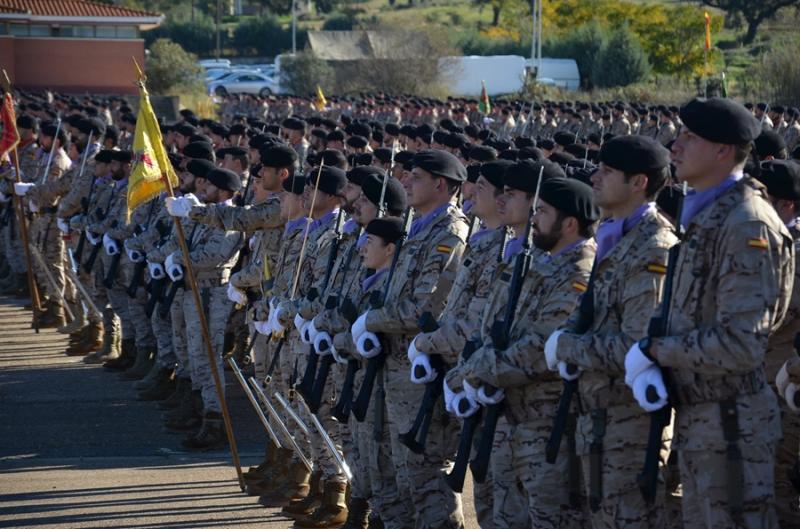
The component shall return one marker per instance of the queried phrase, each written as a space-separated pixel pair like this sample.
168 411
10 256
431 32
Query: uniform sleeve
216 249
524 358
431 286
235 218
605 350
754 275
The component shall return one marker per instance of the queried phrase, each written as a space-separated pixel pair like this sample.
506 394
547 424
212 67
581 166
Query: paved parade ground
78 450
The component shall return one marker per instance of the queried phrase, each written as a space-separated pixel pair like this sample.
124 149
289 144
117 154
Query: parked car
244 83
214 63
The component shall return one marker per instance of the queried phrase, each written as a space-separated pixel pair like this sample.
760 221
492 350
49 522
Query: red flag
8 120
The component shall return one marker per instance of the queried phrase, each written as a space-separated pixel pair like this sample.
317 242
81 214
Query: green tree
339 22
261 36
584 44
753 11
302 73
196 36
621 60
170 68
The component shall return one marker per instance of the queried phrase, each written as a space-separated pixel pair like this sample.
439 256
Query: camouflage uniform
423 278
620 126
11 236
666 133
779 350
548 295
627 290
732 286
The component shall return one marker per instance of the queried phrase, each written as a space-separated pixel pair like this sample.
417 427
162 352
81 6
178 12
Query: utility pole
294 27
219 21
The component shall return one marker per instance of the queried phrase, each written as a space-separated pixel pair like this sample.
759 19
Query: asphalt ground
77 450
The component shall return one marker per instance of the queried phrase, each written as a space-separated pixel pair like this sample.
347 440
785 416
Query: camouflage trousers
356 442
216 306
179 347
786 496
162 332
526 483
623 450
435 503
142 327
12 245
117 296
46 238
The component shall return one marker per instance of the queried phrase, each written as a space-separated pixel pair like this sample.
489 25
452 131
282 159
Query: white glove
470 390
565 374
422 362
782 380
468 408
791 391
33 206
156 270
110 245
494 398
310 331
63 227
174 271
449 395
551 350
251 242
135 256
4 198
650 377
368 339
275 316
635 364
339 358
191 200
21 188
263 327
323 343
236 295
359 327
413 352
181 206
93 239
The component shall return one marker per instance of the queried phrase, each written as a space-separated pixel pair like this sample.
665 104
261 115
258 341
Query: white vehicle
562 73
214 74
244 83
214 63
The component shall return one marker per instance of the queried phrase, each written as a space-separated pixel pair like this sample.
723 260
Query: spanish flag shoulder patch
580 287
657 268
759 243
443 248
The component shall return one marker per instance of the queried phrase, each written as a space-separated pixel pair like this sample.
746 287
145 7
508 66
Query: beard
547 240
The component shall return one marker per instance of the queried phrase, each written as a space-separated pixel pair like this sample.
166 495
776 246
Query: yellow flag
320 102
150 162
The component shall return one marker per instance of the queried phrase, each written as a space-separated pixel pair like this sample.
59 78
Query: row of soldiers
532 295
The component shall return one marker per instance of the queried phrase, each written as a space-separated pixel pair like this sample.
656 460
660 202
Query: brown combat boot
93 343
358 512
145 358
273 471
309 504
211 435
183 386
125 359
188 415
162 387
295 487
333 510
256 473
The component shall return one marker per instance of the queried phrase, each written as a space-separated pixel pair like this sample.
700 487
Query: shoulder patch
580 286
657 268
759 243
443 248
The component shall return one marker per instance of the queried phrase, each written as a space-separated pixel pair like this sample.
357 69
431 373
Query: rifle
113 266
647 480
138 268
101 215
306 386
455 479
166 301
85 201
361 404
501 336
46 174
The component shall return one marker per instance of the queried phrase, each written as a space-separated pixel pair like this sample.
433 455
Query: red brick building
72 45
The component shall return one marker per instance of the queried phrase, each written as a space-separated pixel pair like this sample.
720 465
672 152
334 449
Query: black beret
482 153
257 141
237 130
571 197
200 168
122 156
175 159
578 150
94 125
26 122
362 158
394 197
720 121
495 172
319 133
473 172
359 129
331 179
332 158
103 156
200 137
524 174
199 149
782 178
357 142
294 124
295 184
392 129
440 163
235 151
509 154
634 154
522 141
224 179
547 145
219 130
335 135
184 129
769 143
564 138
49 130
390 229
280 156
358 174
403 157
530 153
112 132
383 154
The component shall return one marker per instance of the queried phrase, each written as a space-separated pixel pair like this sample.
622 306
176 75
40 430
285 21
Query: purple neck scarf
610 232
324 221
295 225
513 247
362 240
695 202
466 207
350 226
478 235
426 220
369 282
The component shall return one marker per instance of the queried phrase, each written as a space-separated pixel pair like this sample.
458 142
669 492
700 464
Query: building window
39 31
106 32
18 30
127 32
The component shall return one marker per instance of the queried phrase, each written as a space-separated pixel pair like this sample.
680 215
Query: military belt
718 389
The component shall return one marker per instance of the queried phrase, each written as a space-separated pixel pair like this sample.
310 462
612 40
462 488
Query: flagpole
23 229
192 284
